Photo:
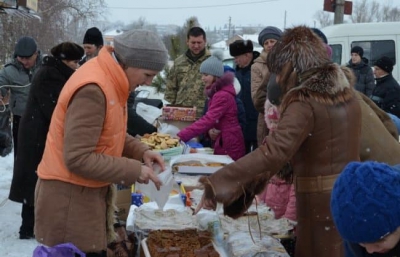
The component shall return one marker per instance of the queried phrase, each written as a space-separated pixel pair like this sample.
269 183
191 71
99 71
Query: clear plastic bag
158 196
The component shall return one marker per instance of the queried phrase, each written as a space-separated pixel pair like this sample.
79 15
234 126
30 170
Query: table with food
164 222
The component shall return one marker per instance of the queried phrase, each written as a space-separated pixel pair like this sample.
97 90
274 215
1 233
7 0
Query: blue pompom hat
365 201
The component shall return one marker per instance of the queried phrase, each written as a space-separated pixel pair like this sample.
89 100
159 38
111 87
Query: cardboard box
123 203
181 113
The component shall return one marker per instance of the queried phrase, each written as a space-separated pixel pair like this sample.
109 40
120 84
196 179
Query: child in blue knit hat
222 112
365 205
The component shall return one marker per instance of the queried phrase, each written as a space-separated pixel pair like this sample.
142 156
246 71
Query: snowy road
10 217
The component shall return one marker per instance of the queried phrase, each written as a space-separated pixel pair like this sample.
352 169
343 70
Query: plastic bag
159 196
166 128
148 112
61 250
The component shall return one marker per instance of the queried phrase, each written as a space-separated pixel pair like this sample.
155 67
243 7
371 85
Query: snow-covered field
10 217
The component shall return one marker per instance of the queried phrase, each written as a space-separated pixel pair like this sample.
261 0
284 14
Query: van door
339 49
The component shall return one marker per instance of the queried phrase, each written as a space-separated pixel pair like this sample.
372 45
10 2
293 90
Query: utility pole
339 12
229 27
284 21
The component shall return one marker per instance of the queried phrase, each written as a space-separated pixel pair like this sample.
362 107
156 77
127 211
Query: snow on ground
10 216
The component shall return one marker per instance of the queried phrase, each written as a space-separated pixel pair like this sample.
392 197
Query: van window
337 53
373 50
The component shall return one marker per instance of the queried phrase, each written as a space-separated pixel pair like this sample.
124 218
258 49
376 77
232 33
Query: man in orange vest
87 148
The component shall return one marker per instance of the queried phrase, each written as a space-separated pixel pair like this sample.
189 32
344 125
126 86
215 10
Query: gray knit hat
141 49
213 65
269 32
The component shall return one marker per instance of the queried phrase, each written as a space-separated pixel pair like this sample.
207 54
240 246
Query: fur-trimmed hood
226 80
329 84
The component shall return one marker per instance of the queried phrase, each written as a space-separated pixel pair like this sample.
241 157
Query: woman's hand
147 174
205 203
150 158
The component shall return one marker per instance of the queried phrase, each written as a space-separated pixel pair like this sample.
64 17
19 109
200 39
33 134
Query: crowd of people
317 143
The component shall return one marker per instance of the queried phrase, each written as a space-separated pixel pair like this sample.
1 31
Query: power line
190 7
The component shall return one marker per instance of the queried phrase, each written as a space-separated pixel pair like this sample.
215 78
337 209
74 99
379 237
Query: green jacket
184 85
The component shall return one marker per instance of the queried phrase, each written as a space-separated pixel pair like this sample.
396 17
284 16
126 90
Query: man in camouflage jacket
184 85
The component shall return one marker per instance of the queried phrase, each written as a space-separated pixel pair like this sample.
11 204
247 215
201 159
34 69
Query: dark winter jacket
244 77
34 125
222 115
387 95
364 75
15 75
356 250
136 124
5 130
5 143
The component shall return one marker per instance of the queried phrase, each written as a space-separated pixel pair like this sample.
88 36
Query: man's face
137 77
28 62
378 72
91 51
196 44
385 244
243 60
355 58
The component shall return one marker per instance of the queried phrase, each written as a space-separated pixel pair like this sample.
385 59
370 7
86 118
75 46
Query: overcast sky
217 12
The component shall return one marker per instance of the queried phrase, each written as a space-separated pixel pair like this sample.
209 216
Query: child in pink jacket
222 113
279 192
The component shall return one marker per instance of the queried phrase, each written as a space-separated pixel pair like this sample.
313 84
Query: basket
170 152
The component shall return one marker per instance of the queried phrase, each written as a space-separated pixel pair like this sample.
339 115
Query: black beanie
385 63
358 50
93 36
68 51
320 34
25 47
240 47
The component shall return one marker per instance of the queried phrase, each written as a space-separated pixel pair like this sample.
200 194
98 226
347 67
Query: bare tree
324 18
389 13
141 23
364 11
60 20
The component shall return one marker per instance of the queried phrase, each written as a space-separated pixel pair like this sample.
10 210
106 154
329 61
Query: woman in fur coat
222 113
318 131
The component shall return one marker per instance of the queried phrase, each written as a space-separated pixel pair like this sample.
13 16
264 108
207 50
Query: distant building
109 36
20 8
224 44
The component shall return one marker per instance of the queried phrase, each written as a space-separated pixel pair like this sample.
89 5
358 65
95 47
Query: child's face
385 244
207 79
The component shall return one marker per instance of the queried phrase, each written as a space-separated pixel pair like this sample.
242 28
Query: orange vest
109 76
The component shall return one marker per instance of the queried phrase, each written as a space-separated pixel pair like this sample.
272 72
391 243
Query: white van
377 39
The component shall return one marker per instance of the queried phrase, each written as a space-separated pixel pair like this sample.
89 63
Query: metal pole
339 12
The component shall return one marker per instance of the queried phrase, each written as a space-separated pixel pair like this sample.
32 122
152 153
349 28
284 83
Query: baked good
215 164
180 243
175 167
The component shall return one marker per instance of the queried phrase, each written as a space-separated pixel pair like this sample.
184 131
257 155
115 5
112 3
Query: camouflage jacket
184 85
